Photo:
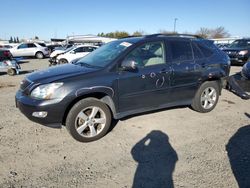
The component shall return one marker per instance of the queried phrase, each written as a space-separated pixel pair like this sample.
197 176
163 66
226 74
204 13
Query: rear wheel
39 55
206 97
11 72
88 120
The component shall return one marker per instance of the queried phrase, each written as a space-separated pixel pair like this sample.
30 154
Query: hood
234 49
56 52
58 72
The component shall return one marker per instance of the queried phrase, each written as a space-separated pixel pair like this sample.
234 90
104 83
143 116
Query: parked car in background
239 51
38 50
75 53
7 64
125 77
59 50
246 70
52 47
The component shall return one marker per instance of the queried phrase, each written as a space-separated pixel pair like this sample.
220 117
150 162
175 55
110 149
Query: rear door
31 50
186 70
148 85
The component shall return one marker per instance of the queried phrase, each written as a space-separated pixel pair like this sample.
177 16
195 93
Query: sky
60 18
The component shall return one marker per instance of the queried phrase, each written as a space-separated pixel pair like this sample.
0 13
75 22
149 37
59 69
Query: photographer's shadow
156 161
238 150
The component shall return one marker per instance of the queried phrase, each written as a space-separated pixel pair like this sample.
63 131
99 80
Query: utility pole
175 24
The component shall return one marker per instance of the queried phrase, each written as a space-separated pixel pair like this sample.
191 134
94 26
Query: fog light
41 114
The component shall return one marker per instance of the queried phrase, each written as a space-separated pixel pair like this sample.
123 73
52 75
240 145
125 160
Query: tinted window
80 49
22 46
31 45
240 44
197 52
181 50
42 44
205 50
147 54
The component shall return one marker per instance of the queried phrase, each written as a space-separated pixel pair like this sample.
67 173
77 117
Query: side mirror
129 65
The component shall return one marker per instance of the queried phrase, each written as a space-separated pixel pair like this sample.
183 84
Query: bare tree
219 32
204 32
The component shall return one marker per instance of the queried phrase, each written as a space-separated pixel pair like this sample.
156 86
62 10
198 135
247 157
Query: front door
147 86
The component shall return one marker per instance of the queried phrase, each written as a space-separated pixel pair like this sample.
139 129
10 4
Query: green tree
36 37
17 40
138 33
11 40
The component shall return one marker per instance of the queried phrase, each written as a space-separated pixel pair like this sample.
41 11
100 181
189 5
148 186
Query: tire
62 61
81 121
206 97
39 55
11 72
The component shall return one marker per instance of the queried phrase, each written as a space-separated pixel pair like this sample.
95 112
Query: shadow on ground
156 161
238 150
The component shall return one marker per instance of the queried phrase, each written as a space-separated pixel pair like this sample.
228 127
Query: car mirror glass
129 65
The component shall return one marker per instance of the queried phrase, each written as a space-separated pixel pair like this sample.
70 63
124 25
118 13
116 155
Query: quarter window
181 51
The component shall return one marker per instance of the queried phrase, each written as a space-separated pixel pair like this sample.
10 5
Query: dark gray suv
125 77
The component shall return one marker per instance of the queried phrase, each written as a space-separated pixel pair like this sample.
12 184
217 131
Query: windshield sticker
126 44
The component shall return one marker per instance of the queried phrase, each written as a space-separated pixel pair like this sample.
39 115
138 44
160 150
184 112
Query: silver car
38 50
7 64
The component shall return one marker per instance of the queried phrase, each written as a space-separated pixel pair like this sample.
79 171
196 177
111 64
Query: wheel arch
104 97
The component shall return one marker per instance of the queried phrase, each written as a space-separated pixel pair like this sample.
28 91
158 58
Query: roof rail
173 35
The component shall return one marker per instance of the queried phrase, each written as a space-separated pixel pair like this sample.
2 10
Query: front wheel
62 61
206 97
88 120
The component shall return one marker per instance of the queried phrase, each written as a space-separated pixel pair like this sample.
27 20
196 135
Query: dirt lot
176 147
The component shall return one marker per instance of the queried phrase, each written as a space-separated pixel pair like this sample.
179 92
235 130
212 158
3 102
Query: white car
75 53
38 50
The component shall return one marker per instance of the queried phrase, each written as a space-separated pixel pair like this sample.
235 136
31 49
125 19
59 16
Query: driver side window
148 54
22 46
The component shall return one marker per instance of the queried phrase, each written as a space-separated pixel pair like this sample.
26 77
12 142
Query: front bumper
238 59
55 110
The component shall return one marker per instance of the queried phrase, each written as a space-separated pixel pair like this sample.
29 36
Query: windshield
104 55
68 49
240 44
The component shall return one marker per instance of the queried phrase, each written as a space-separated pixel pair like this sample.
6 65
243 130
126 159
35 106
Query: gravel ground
170 148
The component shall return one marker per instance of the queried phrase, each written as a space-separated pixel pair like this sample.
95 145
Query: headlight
45 91
243 52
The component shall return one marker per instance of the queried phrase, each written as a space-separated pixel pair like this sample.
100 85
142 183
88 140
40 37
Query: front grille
24 84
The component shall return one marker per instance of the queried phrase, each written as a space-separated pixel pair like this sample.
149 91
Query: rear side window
181 50
42 44
205 50
31 45
197 52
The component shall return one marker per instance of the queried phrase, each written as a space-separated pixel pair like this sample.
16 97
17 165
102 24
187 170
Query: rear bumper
54 109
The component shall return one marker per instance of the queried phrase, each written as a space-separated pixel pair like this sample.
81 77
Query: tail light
6 53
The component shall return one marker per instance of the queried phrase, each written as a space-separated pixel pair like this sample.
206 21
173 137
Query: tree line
209 33
14 40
